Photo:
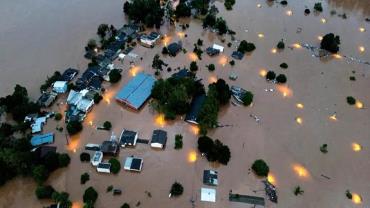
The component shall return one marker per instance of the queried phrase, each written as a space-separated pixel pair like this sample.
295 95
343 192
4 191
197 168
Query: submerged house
79 104
41 139
40 152
133 164
210 177
69 74
174 49
159 139
137 91
195 107
38 124
214 50
110 148
103 167
60 86
149 40
237 55
47 98
128 138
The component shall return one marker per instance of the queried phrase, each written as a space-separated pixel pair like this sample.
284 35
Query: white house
218 47
103 168
97 158
208 195
60 86
133 164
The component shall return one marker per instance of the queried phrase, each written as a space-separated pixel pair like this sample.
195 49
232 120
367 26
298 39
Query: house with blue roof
137 91
41 139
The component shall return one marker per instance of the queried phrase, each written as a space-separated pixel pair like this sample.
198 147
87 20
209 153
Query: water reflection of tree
360 6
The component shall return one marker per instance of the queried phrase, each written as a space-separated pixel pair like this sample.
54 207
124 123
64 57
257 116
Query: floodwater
291 149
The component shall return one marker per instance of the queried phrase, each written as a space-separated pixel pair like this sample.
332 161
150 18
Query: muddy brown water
40 36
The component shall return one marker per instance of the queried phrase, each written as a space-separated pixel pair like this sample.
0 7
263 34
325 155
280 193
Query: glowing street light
319 38
301 171
337 56
194 129
271 179
333 117
356 198
192 156
261 35
361 49
356 147
273 50
259 5
299 120
289 13
263 72
362 29
159 120
323 20
300 105
359 104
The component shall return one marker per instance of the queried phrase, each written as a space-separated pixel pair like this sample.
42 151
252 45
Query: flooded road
49 35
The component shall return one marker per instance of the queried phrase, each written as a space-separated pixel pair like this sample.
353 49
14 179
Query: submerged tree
330 42
260 168
148 12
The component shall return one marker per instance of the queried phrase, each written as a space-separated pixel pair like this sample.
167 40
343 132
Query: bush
85 157
270 75
40 174
97 98
73 127
177 189
165 51
298 191
260 168
284 65
280 45
351 100
214 151
284 2
348 194
244 47
211 67
324 148
193 66
232 62
199 42
116 165
352 78
84 178
109 188
64 160
318 7
115 76
330 42
178 141
125 205
44 192
107 125
90 195
58 117
307 11
247 98
281 79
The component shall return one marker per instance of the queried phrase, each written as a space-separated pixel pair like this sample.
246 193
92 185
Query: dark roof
127 137
182 74
212 51
46 99
104 165
109 147
69 74
95 83
174 48
210 177
136 164
42 151
159 136
237 55
196 105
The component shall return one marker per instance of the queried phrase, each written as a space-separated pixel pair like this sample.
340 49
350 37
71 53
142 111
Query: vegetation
91 45
157 63
351 100
281 44
270 75
198 51
109 188
114 76
232 62
176 189
64 160
307 11
97 98
178 141
183 10
107 125
58 116
245 47
298 191
348 194
165 50
40 174
201 6
173 95
193 66
62 198
281 79
148 12
284 2
107 34
209 21
330 42
260 168
318 7
214 151
284 65
229 4
125 205
90 196
73 127
85 157
247 98
211 67
116 165
57 76
44 192
352 78
221 26
324 148
84 178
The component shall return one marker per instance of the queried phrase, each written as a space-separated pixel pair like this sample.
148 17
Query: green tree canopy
330 42
260 168
115 165
90 195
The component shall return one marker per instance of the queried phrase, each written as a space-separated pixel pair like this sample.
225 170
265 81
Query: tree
324 148
58 116
178 141
85 157
223 152
330 42
205 144
284 2
73 127
229 4
97 98
165 51
298 191
115 165
318 7
201 6
223 91
193 66
102 30
260 168
245 47
64 160
209 21
44 192
107 125
247 98
232 62
90 195
307 11
51 161
183 10
40 174
281 45
348 194
221 26
6 130
62 198
91 44
176 189
84 178
270 75
284 65
157 62
211 67
125 205
351 100
281 79
148 12
115 76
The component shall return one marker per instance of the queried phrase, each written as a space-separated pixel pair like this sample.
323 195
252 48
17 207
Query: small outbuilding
69 74
109 148
97 158
41 139
104 167
159 139
128 138
210 177
237 55
47 98
207 195
195 107
60 86
174 49
133 164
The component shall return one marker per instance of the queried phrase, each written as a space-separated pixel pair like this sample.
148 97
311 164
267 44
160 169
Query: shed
133 164
60 86
159 139
103 168
47 98
212 51
237 55
128 138
136 91
41 139
97 158
210 177
195 107
69 74
109 148
207 195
